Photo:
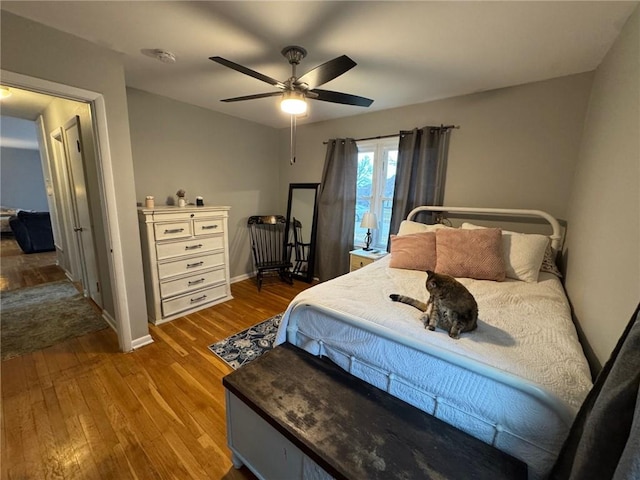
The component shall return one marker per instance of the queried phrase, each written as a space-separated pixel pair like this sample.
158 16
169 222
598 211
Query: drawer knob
193 265
198 299
209 227
174 230
196 282
193 247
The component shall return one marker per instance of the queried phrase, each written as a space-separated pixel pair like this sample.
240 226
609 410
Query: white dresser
185 252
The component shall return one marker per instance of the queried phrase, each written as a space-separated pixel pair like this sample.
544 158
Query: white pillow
408 227
523 253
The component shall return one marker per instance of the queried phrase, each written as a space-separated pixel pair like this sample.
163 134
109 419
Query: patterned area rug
241 348
37 317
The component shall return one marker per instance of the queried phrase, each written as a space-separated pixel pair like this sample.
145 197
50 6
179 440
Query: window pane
385 222
390 181
364 180
364 187
377 163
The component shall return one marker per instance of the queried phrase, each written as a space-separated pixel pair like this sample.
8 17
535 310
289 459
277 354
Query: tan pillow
470 253
415 251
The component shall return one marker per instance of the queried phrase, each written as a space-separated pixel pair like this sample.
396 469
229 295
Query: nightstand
359 258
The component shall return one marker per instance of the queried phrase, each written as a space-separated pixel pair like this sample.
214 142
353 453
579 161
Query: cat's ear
431 279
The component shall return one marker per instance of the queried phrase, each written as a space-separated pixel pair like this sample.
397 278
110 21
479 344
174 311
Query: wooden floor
81 409
18 270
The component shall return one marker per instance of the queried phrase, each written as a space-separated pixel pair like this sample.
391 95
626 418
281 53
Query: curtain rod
396 134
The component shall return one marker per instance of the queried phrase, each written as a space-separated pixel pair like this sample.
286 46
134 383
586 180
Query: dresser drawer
359 262
192 282
188 302
184 266
208 226
188 247
167 231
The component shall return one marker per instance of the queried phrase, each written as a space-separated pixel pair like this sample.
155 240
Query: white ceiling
18 112
407 52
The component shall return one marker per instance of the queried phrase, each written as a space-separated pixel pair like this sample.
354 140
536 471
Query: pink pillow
415 251
470 253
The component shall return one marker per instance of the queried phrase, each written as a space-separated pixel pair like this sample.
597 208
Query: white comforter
516 382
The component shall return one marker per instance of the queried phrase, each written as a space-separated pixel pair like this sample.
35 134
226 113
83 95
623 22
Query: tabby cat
450 306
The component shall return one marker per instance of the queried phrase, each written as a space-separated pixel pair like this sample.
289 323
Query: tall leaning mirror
302 216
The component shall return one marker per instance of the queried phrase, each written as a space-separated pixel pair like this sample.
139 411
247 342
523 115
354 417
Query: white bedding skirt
516 382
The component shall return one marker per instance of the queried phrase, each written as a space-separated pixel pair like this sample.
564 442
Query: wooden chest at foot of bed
293 415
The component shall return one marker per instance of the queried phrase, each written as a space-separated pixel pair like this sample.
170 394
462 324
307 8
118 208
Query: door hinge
78 145
98 286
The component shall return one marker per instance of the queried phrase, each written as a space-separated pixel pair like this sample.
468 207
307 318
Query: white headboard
556 235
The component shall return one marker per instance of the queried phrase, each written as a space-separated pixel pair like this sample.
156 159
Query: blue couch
32 231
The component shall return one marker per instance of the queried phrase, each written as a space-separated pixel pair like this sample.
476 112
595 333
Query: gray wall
603 239
226 160
516 147
32 49
21 180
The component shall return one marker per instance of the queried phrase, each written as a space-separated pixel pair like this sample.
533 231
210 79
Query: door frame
106 186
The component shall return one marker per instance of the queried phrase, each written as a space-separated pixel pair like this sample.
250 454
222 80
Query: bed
516 382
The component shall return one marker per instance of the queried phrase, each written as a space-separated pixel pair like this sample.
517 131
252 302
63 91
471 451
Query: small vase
182 202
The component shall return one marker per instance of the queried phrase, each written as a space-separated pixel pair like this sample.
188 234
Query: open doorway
103 176
51 183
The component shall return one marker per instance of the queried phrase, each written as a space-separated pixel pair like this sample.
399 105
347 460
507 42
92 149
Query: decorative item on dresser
361 257
186 259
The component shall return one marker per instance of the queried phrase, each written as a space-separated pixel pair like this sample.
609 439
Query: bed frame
533 392
556 235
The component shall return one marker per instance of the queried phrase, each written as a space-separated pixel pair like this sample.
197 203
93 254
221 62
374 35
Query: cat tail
409 301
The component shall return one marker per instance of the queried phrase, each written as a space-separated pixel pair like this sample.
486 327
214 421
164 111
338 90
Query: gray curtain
604 441
336 208
420 174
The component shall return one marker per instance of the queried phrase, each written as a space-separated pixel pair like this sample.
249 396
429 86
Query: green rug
37 317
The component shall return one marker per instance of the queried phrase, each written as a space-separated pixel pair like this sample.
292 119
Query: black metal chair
269 246
301 249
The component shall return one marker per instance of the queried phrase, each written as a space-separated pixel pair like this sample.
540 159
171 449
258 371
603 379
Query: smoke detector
163 55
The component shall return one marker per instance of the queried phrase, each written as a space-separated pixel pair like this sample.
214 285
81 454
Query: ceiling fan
295 90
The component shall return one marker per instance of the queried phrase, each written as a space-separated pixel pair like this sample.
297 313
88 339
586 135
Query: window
376 180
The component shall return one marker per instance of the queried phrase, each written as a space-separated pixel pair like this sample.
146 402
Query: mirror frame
312 238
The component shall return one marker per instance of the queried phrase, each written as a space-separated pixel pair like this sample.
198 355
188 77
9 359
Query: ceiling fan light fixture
293 103
5 92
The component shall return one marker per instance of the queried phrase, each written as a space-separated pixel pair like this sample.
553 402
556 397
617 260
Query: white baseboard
110 320
244 276
136 343
141 342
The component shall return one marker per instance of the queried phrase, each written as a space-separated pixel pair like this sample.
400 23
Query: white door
68 257
83 227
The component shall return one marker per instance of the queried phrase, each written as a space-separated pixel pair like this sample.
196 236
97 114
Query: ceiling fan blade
247 71
326 72
252 97
339 97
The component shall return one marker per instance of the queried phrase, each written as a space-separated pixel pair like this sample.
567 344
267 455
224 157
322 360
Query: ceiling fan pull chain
292 160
